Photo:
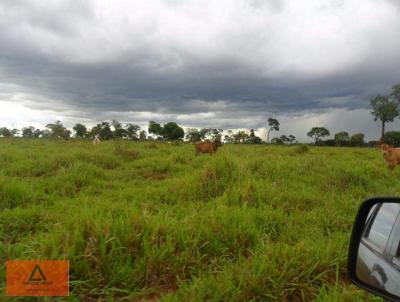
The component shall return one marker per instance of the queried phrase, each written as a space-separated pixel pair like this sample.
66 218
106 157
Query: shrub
372 143
357 139
328 142
392 138
301 149
125 153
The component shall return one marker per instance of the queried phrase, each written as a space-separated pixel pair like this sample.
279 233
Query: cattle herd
200 147
391 154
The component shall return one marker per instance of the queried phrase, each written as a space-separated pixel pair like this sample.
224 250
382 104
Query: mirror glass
378 259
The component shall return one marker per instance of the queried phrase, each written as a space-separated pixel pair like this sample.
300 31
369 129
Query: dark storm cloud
235 62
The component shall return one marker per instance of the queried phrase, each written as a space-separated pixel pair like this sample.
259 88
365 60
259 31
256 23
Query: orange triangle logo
37 274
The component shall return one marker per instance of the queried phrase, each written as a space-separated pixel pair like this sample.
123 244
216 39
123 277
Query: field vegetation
147 221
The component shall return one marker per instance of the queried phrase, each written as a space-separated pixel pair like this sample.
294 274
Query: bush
301 149
392 138
357 139
328 142
372 143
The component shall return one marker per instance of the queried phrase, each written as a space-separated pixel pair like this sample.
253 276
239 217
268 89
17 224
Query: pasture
143 221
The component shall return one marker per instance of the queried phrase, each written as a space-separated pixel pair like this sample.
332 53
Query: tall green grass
148 221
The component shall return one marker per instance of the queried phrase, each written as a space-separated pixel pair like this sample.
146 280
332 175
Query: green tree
14 132
357 139
193 135
240 137
57 130
5 132
284 139
277 140
318 132
103 130
229 137
116 125
204 132
119 131
212 134
28 132
342 138
392 138
132 131
142 135
38 133
273 126
383 109
215 134
155 128
253 138
292 138
172 131
396 93
80 130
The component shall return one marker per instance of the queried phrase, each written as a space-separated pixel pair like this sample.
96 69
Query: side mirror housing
374 250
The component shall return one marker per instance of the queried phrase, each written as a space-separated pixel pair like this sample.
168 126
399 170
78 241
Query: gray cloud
230 63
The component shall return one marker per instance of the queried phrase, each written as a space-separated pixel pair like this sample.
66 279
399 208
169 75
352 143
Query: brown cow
207 147
391 155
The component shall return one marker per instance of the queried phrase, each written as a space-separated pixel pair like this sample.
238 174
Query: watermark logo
37 278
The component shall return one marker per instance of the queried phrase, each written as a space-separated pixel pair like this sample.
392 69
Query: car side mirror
374 250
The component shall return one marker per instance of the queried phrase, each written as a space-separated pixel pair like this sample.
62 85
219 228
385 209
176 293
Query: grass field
151 221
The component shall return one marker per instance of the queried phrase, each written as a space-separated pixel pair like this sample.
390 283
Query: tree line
385 108
172 131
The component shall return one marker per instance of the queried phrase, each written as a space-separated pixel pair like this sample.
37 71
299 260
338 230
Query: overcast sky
222 63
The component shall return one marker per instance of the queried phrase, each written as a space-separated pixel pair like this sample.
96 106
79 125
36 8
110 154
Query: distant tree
212 134
80 130
94 131
253 138
277 140
273 126
155 128
67 134
5 132
132 131
292 138
284 139
172 131
392 138
342 138
357 139
103 130
327 142
119 131
57 130
372 143
14 132
142 135
204 132
215 134
318 132
193 135
28 131
116 125
384 110
37 133
228 138
240 137
45 133
396 93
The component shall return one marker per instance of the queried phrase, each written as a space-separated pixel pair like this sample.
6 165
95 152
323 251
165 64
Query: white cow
96 140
